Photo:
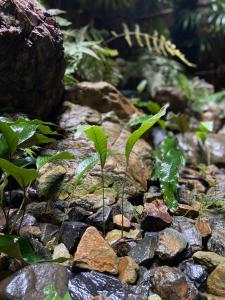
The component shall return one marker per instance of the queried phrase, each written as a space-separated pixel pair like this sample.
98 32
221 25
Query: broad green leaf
10 137
23 176
84 167
135 136
39 139
42 160
4 148
206 126
51 294
168 161
138 120
9 245
81 129
24 131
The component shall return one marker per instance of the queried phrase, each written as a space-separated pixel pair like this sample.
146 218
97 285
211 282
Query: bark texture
31 59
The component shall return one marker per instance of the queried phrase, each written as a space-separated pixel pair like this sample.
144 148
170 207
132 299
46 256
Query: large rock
29 283
216 281
31 59
208 259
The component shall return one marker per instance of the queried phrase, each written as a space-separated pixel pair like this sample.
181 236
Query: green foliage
51 294
85 166
57 157
135 136
168 161
203 130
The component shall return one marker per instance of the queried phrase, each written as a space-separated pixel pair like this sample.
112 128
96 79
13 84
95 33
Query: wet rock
94 253
40 250
116 234
123 246
215 146
216 281
61 251
195 272
189 143
39 88
170 283
86 285
53 216
97 218
101 95
121 221
203 227
170 244
187 211
31 231
208 259
48 232
78 214
186 196
155 216
19 220
144 251
216 193
29 282
216 242
128 270
8 266
36 208
71 233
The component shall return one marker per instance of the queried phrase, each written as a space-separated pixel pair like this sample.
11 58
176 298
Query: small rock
36 208
128 270
119 223
208 259
155 216
187 211
216 281
216 242
40 250
34 231
71 233
94 253
116 234
48 232
144 251
54 216
170 244
203 227
97 218
154 297
60 251
171 284
78 214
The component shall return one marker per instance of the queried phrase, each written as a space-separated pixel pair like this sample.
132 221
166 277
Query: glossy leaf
10 137
39 139
85 166
42 160
24 131
23 176
136 135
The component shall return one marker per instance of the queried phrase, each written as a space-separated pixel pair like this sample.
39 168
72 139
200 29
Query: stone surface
170 244
94 253
215 145
216 281
38 88
128 270
71 233
96 219
203 227
216 242
60 251
86 285
29 282
28 231
48 232
119 223
116 234
155 216
171 284
187 211
154 297
208 259
189 143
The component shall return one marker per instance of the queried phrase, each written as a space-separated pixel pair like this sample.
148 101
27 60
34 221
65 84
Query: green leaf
141 86
84 167
23 176
206 126
24 131
168 161
9 245
39 139
81 129
42 160
10 137
51 294
135 136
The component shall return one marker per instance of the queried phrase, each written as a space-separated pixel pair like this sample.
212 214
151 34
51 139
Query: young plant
98 136
168 161
133 138
202 134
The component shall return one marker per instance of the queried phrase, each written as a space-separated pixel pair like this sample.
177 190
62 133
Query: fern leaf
138 35
127 34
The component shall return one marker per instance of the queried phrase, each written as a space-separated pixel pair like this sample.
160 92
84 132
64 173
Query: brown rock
203 227
209 259
216 281
187 211
33 230
100 298
128 270
117 221
94 253
171 284
155 216
116 234
39 45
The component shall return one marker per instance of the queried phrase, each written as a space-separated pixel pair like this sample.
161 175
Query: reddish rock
203 227
128 270
119 223
187 211
155 216
94 253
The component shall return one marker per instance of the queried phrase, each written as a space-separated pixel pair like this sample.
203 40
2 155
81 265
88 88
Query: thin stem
24 202
122 200
103 200
18 212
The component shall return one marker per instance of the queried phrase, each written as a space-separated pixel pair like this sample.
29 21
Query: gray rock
54 216
215 146
216 242
29 283
36 208
97 218
48 232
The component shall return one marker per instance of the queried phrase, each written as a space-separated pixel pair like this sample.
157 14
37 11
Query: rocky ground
164 254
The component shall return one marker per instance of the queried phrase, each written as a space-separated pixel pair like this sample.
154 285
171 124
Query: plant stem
103 200
18 212
122 200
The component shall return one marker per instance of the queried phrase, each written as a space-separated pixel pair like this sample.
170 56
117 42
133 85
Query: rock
30 282
94 253
187 211
40 250
48 232
39 44
36 208
28 231
121 221
216 281
128 270
173 96
155 216
61 251
71 233
209 259
154 297
170 244
170 283
144 251
216 193
216 242
78 214
215 146
54 216
101 95
189 143
203 227
195 272
86 285
26 220
116 234
8 266
96 219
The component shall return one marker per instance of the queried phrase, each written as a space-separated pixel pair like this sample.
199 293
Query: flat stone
209 259
203 227
170 244
216 242
187 211
128 270
60 251
28 231
94 253
96 219
116 234
119 223
30 282
216 281
171 284
155 216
